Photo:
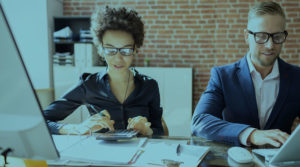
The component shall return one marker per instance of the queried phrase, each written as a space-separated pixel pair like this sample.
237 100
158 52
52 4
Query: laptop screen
289 151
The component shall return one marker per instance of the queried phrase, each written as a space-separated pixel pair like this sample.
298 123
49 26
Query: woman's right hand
92 124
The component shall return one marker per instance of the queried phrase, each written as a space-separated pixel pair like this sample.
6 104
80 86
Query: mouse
240 155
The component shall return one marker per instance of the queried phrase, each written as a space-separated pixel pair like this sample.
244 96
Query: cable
4 154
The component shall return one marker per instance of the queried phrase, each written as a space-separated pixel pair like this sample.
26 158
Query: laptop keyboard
266 152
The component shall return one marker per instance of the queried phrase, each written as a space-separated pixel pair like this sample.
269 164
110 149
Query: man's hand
274 137
140 124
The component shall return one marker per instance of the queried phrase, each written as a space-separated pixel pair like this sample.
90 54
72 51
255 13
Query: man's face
264 55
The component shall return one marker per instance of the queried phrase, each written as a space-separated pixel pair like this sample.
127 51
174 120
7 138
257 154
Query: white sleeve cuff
244 136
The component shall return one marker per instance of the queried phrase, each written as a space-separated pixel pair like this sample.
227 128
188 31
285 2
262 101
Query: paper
62 142
188 155
92 150
88 149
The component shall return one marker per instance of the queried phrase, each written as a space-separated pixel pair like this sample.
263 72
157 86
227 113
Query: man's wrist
249 137
244 136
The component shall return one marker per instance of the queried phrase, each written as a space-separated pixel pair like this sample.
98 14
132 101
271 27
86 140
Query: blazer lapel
245 80
282 94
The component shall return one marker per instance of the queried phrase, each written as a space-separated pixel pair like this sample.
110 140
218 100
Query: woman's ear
100 52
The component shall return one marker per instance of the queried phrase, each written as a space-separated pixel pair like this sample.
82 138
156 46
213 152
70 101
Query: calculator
117 135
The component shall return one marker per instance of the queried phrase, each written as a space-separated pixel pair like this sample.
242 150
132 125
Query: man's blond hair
263 8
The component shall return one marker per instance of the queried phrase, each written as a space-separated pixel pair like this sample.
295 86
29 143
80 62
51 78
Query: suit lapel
246 84
282 94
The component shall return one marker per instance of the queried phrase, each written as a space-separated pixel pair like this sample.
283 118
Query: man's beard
267 62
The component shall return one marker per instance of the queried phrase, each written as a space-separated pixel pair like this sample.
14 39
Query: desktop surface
217 155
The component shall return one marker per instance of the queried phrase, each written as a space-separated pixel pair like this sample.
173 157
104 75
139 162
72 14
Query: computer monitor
22 125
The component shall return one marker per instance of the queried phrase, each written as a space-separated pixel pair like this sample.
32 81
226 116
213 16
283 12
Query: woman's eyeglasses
114 51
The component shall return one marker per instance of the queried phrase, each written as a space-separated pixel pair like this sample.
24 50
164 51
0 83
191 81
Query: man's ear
246 36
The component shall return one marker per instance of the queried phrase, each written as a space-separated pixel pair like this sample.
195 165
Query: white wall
29 22
54 8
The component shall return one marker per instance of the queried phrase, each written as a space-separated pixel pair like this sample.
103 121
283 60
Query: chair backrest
165 127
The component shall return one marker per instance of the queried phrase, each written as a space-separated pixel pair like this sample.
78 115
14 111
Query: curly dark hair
117 19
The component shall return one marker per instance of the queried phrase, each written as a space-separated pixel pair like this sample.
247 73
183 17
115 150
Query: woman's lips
118 67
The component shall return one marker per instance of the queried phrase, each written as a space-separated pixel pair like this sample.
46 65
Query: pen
142 142
136 156
139 151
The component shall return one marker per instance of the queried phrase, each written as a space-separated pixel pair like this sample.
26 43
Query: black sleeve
156 111
65 105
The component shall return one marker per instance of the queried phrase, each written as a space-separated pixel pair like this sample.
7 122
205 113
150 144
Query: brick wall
195 33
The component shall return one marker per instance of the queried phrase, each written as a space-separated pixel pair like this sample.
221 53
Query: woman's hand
92 124
140 124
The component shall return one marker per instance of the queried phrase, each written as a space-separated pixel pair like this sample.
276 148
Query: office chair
165 127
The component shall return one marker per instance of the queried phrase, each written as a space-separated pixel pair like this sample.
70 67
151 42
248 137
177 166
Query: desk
216 157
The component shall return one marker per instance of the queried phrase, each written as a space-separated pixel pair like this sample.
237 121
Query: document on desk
187 155
80 149
87 151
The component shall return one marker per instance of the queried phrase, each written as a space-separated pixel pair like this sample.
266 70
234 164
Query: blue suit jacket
228 106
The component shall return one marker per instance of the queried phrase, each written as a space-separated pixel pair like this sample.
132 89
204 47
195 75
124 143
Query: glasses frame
118 50
269 35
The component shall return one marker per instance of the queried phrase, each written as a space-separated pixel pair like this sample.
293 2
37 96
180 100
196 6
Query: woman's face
118 60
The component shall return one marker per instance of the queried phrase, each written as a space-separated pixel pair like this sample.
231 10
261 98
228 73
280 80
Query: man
255 100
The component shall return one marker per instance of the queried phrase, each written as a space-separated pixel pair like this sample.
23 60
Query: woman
126 99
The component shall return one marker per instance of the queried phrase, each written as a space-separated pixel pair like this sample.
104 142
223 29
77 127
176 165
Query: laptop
286 155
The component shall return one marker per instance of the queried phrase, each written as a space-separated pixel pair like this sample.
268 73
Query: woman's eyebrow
110 45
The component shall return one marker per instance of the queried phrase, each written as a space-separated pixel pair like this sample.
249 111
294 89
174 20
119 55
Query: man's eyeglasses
114 51
263 37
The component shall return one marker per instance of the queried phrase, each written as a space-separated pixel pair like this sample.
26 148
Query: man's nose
269 44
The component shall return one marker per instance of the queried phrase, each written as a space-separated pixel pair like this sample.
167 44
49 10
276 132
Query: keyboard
267 153
117 135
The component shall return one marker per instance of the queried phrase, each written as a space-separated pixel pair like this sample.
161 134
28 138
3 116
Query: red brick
162 21
158 7
175 17
198 34
182 12
88 3
128 2
164 12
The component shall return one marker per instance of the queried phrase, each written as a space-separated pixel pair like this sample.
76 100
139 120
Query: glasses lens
126 51
261 37
110 51
279 37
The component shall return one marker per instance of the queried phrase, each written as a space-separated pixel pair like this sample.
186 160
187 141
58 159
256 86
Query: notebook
286 155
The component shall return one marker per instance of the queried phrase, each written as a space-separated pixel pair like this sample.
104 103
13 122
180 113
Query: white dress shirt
266 92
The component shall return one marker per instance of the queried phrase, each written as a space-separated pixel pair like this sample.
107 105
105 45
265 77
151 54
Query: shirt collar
103 74
274 73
